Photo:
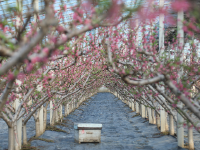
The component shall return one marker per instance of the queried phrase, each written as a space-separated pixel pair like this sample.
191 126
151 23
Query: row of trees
47 59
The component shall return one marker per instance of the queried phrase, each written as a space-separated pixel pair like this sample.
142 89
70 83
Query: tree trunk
56 114
66 109
45 119
24 135
153 116
16 140
158 120
37 127
53 118
11 138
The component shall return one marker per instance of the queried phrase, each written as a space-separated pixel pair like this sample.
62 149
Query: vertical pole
180 120
161 29
161 50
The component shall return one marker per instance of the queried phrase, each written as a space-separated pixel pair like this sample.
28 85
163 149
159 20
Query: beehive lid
87 126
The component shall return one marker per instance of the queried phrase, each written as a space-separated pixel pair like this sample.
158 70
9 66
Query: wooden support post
171 125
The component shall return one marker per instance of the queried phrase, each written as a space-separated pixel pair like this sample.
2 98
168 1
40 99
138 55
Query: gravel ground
121 131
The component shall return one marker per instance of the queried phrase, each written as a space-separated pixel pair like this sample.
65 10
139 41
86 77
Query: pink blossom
45 50
11 76
65 7
60 28
179 5
35 59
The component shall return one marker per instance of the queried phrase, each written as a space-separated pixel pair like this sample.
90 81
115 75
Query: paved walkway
120 130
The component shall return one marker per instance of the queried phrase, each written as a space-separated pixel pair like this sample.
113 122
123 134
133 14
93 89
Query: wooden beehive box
87 132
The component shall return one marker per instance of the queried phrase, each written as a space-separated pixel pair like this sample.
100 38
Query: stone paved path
120 131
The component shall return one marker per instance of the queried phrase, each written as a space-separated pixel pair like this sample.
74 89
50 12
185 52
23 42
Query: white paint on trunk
137 108
153 116
143 111
150 115
133 106
190 137
41 119
51 111
158 120
24 135
166 123
11 139
60 113
180 130
162 119
171 125
19 128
